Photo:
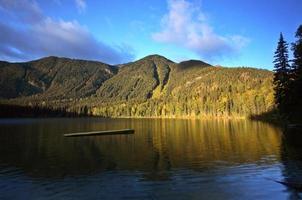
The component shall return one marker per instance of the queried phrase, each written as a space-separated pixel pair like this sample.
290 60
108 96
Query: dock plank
93 133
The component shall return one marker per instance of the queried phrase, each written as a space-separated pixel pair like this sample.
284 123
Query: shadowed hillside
53 78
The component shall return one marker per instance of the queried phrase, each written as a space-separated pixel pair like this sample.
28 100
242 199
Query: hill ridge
152 86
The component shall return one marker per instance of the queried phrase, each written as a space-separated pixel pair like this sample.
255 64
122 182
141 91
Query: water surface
164 159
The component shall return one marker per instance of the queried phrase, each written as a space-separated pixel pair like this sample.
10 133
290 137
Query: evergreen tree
297 72
282 75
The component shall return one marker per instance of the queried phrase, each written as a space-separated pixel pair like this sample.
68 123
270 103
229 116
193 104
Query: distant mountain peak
156 57
192 63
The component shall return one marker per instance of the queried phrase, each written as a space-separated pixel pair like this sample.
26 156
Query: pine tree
297 72
282 75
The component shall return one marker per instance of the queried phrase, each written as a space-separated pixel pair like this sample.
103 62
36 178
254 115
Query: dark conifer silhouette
282 75
296 85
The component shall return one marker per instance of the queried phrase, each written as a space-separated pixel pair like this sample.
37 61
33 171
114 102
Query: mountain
150 87
140 80
53 78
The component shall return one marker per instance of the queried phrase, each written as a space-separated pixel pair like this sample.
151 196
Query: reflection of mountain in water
158 146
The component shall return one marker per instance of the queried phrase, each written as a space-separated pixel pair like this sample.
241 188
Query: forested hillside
140 80
151 87
53 78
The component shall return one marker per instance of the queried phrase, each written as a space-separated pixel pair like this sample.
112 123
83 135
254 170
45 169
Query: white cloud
81 5
47 36
186 25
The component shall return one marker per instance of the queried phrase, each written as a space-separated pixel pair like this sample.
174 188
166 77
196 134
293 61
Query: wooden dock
94 133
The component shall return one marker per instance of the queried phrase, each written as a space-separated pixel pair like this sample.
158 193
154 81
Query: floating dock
94 133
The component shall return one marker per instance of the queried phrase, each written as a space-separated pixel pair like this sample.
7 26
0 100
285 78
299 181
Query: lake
164 159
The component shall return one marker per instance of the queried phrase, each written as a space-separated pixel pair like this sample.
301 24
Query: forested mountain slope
195 89
140 80
150 87
53 78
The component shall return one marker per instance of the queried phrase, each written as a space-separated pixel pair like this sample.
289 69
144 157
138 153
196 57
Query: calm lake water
164 159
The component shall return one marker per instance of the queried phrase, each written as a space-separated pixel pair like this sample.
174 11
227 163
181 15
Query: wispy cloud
81 5
185 25
24 10
29 34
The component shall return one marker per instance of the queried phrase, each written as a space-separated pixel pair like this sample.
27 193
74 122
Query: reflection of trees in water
160 156
39 149
291 156
42 155
156 147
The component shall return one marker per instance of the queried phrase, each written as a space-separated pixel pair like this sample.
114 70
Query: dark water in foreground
164 159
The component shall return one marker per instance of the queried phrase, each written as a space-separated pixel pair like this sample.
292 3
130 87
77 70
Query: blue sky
227 33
